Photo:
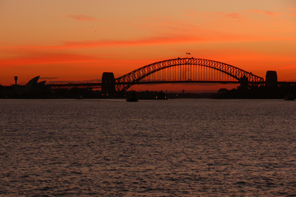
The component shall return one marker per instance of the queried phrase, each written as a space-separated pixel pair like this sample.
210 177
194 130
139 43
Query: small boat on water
289 97
132 97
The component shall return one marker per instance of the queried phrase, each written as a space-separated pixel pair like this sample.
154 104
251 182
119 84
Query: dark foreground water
150 148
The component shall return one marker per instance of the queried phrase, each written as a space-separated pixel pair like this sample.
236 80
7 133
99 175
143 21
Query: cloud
207 36
193 13
233 15
162 40
139 42
270 13
293 9
109 43
80 17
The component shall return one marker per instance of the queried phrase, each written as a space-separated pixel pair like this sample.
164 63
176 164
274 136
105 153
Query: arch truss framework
186 70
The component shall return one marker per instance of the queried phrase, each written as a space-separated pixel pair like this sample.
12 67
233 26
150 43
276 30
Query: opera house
33 89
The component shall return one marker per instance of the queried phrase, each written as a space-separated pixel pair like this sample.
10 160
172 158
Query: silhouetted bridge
180 70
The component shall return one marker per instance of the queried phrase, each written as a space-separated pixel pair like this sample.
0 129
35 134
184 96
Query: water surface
149 148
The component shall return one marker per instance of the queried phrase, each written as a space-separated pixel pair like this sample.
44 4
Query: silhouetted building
108 84
33 89
271 79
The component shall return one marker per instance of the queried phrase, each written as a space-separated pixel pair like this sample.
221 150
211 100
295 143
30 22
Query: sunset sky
74 40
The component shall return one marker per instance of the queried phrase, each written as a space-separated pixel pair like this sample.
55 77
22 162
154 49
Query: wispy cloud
147 41
269 13
233 15
193 13
116 43
81 17
293 9
162 40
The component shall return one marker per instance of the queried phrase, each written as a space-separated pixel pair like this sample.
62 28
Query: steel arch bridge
186 70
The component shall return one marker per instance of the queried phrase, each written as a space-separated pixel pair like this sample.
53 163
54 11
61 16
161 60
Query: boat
289 97
132 97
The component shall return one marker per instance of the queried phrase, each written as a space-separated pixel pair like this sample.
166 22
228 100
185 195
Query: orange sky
73 40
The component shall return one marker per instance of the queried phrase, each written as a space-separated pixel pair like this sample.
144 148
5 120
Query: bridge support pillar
108 84
271 79
244 82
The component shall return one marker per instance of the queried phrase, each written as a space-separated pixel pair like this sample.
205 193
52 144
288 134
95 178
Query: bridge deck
162 82
150 82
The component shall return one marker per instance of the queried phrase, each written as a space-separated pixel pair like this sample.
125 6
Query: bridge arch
126 81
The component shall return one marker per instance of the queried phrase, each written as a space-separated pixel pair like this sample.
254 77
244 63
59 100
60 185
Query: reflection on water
148 148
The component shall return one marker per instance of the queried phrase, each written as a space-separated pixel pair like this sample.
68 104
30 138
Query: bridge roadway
99 85
149 82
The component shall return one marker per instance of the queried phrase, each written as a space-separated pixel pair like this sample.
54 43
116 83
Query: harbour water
198 147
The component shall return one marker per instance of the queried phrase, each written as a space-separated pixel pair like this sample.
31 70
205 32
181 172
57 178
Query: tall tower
15 79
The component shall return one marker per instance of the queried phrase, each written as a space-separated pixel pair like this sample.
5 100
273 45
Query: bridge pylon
244 82
108 84
271 79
